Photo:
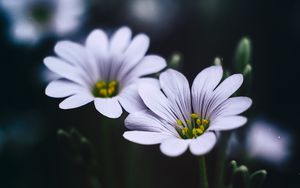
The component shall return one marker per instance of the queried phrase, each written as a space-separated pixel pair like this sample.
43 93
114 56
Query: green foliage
242 54
240 177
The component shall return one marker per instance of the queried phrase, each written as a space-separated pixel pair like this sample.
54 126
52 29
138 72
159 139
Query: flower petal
134 53
203 144
109 107
130 99
76 100
75 54
227 123
224 91
145 120
203 85
70 51
232 106
97 42
177 89
120 40
62 88
157 102
149 64
151 81
145 138
65 70
174 147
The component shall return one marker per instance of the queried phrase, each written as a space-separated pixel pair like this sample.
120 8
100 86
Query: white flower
33 19
265 141
179 118
150 15
104 71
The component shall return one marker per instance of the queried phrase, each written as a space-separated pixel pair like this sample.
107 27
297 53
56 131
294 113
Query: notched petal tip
109 107
174 147
203 144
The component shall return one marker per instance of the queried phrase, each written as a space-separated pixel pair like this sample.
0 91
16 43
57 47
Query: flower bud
240 177
175 61
242 54
257 178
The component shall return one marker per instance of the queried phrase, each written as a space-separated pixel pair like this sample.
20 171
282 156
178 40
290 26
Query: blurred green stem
107 155
132 158
203 175
220 162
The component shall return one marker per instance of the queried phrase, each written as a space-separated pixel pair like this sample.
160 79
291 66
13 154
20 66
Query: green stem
220 162
107 155
203 175
131 160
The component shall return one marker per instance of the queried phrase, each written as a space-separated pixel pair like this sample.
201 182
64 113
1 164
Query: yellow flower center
106 89
192 128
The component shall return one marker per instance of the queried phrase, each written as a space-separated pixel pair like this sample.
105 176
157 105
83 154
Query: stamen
184 131
103 92
105 89
179 122
192 128
198 122
205 121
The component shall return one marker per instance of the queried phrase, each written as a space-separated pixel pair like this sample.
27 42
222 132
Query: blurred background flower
31 20
266 141
155 17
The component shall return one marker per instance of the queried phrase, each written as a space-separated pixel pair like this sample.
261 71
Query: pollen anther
105 89
192 128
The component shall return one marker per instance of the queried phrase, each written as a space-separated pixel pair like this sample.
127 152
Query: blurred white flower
103 70
265 141
154 16
33 19
179 118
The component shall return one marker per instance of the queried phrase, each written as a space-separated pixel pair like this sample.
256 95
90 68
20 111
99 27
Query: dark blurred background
30 153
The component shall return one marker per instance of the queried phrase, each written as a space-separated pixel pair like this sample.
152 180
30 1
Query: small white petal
65 70
76 55
225 90
232 106
157 102
120 40
177 89
227 123
97 42
141 81
203 144
151 81
134 53
109 107
174 147
130 99
149 64
62 88
70 51
203 85
145 138
76 100
145 120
